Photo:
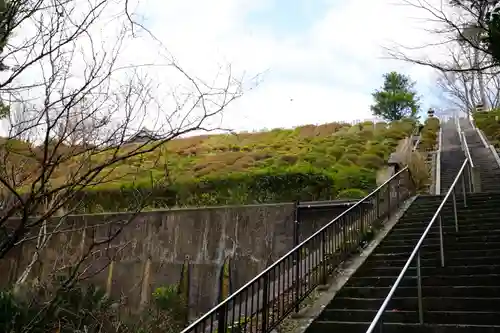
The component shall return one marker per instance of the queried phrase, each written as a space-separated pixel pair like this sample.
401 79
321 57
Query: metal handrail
466 150
302 265
481 136
438 162
459 130
470 169
416 251
487 144
415 147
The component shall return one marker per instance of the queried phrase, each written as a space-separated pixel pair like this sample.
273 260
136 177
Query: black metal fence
262 303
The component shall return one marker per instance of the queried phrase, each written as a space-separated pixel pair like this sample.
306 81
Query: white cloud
324 73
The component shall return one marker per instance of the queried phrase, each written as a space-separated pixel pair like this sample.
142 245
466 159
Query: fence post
146 277
419 290
265 302
297 253
324 257
397 190
221 319
389 199
296 225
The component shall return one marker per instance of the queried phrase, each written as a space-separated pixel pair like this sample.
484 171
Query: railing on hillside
470 169
478 131
262 304
415 255
437 174
459 130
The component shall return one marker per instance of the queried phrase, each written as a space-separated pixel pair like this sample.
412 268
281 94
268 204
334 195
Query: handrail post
463 190
324 258
419 290
455 209
472 186
398 183
459 130
265 301
221 319
389 200
438 163
470 167
297 279
378 204
297 254
441 242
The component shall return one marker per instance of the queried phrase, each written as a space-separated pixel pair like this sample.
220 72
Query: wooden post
146 276
109 281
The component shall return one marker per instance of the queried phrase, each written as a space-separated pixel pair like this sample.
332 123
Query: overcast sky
318 61
321 59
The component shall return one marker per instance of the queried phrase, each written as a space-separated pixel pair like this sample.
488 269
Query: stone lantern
479 107
395 162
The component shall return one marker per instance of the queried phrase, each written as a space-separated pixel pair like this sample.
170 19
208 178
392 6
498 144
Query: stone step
463 228
470 219
434 280
433 317
358 327
432 270
383 248
403 234
434 291
386 261
487 204
448 239
411 303
451 254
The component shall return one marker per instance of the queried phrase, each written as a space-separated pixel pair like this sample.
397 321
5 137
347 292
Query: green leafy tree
396 99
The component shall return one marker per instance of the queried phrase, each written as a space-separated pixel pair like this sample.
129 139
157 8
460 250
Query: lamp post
430 113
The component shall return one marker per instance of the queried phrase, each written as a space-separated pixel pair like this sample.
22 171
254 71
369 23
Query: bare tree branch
452 27
75 106
461 88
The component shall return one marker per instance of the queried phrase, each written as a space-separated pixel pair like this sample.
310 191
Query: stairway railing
486 143
479 132
377 321
459 130
262 303
471 168
437 175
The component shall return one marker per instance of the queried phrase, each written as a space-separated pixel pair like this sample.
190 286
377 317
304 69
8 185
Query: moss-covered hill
489 123
306 163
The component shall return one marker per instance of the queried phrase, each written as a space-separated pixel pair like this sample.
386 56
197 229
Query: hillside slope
306 163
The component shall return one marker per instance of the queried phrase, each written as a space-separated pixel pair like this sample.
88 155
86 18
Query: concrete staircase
452 156
489 171
464 296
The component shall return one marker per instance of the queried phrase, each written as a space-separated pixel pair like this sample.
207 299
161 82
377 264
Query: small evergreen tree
396 99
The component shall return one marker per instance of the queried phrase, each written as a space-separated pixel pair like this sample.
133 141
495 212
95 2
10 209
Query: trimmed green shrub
429 134
371 161
306 163
352 193
489 123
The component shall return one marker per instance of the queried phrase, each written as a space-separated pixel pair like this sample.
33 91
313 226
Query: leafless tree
461 89
452 24
75 102
458 27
